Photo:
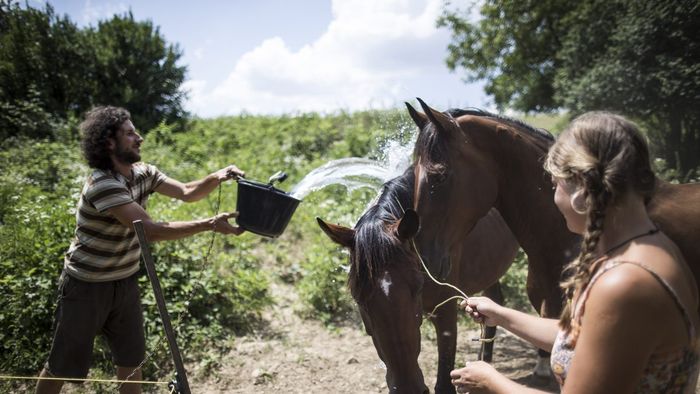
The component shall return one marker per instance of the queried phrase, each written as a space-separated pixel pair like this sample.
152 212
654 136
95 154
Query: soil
294 355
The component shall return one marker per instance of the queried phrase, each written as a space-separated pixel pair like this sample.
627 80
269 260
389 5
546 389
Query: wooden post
184 386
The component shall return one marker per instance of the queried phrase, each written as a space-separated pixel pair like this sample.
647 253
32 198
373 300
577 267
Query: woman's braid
598 197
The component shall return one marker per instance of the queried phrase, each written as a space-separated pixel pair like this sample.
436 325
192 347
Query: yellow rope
10 377
445 302
463 296
413 242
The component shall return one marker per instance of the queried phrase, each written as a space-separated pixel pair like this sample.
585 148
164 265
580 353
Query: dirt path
293 355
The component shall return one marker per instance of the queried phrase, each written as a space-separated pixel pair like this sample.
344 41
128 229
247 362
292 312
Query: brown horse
468 162
392 291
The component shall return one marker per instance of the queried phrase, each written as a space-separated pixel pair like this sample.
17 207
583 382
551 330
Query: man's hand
220 224
230 172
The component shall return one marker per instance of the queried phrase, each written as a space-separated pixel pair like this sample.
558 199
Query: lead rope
12 377
482 338
463 296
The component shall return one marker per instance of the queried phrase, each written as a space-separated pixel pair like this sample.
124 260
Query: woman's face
565 191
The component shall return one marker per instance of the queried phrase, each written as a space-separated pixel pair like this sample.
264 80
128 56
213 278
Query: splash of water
355 172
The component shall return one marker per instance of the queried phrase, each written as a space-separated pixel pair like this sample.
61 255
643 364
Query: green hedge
210 303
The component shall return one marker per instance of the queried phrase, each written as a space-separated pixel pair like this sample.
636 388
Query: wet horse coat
392 292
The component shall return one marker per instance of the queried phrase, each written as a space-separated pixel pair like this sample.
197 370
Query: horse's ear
343 236
440 120
419 119
408 225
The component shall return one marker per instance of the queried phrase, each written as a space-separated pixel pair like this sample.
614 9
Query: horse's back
676 210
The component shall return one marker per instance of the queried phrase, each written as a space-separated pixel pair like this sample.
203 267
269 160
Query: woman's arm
620 328
479 377
539 331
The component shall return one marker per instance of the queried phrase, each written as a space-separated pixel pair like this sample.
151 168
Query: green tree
639 58
137 69
51 70
44 70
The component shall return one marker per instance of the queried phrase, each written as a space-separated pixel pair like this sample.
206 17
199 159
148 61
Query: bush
514 283
209 303
212 294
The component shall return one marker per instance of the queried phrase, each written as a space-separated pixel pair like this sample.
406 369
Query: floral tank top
672 372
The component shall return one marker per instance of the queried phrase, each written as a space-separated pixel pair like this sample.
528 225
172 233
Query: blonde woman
630 323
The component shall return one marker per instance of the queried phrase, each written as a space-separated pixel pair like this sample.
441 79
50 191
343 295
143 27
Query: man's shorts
88 308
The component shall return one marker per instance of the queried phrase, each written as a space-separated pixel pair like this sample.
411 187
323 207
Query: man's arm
158 231
196 190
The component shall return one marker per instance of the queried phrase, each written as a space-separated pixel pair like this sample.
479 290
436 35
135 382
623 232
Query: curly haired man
98 286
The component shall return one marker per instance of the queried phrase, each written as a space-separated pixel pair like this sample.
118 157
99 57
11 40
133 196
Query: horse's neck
526 202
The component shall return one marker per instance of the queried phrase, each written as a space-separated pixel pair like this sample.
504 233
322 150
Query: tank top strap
615 263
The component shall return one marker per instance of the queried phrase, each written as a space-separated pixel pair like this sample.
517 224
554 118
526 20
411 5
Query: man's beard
127 156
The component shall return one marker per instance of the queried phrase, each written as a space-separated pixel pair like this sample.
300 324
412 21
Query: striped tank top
670 372
103 249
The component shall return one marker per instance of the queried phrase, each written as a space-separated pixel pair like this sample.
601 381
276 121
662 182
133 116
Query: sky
295 56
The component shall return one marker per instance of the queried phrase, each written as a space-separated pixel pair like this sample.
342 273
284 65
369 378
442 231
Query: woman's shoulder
646 295
624 282
662 258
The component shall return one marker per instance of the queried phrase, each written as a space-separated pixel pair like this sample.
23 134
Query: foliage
35 178
135 67
319 285
323 273
51 70
210 302
512 47
638 58
513 284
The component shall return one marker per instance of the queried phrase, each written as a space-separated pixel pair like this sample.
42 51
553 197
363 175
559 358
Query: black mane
375 242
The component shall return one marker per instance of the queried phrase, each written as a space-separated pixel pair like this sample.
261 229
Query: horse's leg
486 350
551 307
445 322
547 305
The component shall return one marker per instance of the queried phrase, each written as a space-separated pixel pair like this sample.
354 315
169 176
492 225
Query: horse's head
454 182
386 282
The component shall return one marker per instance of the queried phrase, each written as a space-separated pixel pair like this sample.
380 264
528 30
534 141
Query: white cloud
367 58
92 13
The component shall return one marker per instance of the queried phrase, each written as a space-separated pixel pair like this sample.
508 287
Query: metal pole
150 268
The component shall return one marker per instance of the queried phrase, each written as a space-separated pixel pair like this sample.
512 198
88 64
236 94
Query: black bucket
263 209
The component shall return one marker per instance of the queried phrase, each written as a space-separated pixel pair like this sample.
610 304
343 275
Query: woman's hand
220 224
476 377
483 310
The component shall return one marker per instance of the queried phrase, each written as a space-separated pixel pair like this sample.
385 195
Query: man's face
127 147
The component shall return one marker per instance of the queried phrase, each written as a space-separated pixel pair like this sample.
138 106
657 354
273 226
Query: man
98 286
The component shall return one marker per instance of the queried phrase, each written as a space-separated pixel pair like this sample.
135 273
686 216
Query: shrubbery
209 303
